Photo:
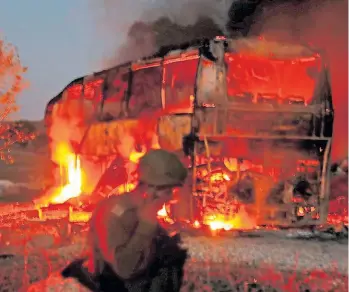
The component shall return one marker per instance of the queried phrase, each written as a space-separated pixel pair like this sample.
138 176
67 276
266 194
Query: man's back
112 224
126 239
159 258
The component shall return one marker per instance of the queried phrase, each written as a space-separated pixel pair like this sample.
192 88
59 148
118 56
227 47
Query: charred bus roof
250 47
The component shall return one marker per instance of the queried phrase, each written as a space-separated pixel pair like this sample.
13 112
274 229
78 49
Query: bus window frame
123 70
136 68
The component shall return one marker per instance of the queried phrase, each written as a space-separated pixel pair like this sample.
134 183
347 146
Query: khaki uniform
120 239
132 254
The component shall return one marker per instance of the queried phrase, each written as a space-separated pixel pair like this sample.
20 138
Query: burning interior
251 119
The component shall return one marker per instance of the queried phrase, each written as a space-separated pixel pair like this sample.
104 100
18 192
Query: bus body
260 110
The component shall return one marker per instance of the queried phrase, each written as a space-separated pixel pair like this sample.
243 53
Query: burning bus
252 119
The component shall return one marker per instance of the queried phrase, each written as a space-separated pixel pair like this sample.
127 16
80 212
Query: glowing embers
218 222
240 220
221 211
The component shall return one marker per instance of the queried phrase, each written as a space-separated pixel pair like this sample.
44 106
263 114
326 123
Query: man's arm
132 244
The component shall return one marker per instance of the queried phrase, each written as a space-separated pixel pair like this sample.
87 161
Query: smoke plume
141 28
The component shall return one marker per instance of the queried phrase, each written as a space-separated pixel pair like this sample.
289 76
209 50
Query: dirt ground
31 168
232 263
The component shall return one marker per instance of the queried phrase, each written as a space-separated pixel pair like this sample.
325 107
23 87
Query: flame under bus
266 107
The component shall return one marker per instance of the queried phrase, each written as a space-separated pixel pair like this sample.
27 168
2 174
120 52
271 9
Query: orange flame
240 220
196 224
135 156
218 223
162 213
73 188
70 164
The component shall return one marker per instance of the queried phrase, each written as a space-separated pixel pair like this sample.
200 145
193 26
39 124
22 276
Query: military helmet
161 168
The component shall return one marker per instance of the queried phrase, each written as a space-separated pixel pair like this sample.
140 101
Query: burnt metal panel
211 79
172 129
145 92
257 120
115 90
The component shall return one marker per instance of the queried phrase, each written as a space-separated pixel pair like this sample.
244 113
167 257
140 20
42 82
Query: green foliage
12 83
